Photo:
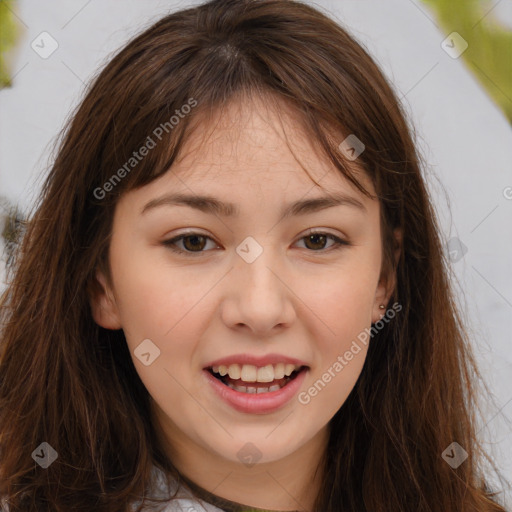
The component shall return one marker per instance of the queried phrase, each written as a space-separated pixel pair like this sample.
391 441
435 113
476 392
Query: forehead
259 143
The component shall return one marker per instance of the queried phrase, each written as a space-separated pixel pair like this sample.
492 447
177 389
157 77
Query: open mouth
247 385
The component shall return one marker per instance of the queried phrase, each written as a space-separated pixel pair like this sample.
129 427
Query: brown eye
316 242
193 243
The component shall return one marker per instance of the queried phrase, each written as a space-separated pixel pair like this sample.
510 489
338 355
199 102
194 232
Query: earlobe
103 304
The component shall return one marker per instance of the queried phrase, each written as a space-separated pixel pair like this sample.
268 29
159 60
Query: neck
289 484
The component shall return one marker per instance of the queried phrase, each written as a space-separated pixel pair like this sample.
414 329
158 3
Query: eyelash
338 242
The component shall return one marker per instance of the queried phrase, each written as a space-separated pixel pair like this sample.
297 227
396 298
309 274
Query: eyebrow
212 205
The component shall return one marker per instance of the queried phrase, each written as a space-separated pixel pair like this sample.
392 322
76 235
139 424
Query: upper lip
258 361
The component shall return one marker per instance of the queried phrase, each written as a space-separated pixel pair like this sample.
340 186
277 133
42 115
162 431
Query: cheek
343 300
330 387
165 304
153 297
342 303
344 309
156 303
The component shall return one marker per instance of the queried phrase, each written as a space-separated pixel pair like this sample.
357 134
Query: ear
387 281
103 304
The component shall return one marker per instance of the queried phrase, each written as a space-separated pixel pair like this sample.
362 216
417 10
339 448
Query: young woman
232 294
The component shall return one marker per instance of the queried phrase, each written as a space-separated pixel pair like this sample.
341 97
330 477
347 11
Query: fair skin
304 300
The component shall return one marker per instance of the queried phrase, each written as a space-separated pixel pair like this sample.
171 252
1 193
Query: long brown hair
72 384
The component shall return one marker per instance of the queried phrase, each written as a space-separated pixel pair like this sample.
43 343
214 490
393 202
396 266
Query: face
203 290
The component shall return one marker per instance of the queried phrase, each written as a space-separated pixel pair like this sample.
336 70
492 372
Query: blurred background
450 62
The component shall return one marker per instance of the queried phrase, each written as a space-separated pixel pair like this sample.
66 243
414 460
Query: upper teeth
251 373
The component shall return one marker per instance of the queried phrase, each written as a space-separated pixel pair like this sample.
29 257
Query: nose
259 298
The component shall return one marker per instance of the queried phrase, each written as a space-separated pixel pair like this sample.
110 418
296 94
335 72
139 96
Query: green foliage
7 38
489 52
12 228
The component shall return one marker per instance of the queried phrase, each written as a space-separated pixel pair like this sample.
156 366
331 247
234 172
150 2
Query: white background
462 134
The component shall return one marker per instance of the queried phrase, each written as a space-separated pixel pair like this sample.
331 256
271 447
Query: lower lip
257 403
